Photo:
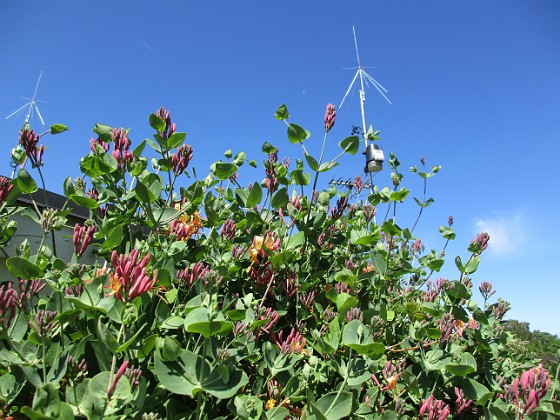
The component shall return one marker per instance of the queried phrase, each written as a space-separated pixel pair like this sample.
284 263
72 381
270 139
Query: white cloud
508 232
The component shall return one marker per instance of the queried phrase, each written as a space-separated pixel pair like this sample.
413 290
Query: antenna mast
363 75
31 105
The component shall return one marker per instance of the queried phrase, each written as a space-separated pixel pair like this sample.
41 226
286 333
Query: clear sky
475 87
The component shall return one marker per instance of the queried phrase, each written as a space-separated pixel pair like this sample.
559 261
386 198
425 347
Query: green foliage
541 345
212 298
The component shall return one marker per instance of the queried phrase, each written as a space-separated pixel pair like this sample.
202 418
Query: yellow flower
271 403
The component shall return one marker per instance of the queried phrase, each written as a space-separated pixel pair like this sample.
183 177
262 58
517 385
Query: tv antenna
366 79
374 155
31 106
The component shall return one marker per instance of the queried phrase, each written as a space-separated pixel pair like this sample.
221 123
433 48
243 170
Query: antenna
31 105
364 76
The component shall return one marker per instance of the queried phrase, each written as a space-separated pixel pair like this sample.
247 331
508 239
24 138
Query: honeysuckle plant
220 298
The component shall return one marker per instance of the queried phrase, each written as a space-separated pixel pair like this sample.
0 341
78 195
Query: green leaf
327 166
277 413
197 321
25 182
157 123
358 337
296 134
24 269
248 407
323 198
190 374
104 132
313 164
280 199
154 145
466 365
472 264
350 144
11 385
344 302
223 170
58 128
295 240
475 391
255 195
379 263
239 158
82 200
148 190
334 405
268 148
300 178
399 195
113 238
175 140
282 113
391 229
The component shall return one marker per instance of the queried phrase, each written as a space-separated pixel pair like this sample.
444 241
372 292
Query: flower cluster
188 276
169 126
527 391
293 343
181 159
330 116
29 140
435 409
185 226
82 238
122 144
129 278
6 186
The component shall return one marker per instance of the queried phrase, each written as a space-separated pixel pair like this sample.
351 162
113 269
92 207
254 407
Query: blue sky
475 87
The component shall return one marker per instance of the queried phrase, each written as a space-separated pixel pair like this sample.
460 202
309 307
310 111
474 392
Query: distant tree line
539 344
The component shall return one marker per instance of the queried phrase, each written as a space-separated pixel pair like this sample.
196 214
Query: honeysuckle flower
270 404
341 205
44 323
188 276
271 181
369 211
307 299
435 409
169 126
98 142
185 226
181 159
499 309
83 235
116 378
28 289
28 139
133 374
486 290
129 279
526 392
434 289
460 326
330 116
293 343
5 188
269 241
228 229
122 144
8 303
482 240
462 402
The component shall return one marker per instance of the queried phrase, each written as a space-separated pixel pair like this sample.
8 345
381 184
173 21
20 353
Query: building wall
30 230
